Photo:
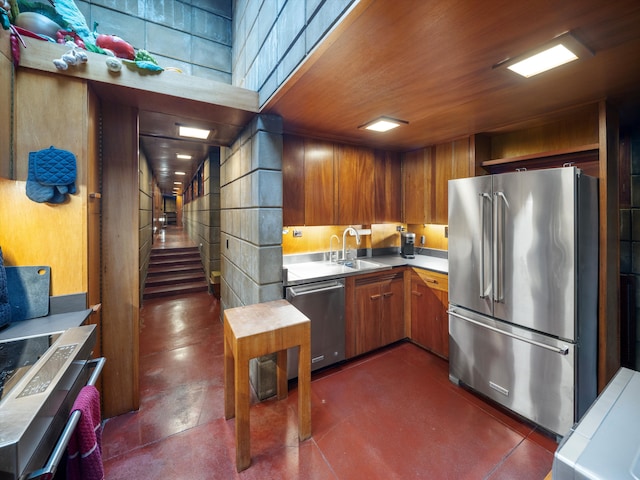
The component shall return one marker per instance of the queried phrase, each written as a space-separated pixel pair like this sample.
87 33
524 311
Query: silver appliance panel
34 411
532 374
520 243
605 444
470 243
535 247
324 304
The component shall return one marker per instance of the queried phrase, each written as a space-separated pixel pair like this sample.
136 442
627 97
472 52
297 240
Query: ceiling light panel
561 50
193 132
383 124
546 60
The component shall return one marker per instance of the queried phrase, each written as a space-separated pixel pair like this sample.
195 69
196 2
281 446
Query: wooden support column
120 283
608 311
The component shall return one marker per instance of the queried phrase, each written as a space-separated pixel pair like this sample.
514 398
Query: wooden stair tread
175 289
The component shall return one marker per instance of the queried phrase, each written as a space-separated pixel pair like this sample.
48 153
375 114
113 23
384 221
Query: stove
40 378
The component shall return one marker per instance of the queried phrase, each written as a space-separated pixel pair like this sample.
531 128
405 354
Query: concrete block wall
192 35
630 233
272 38
251 215
201 217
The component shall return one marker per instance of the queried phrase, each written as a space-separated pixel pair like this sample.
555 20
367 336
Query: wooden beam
120 261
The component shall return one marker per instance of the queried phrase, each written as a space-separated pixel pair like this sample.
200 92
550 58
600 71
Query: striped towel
85 445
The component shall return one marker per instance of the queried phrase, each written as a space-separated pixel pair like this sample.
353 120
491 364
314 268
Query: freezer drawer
529 373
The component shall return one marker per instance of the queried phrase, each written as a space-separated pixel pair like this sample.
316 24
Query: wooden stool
257 330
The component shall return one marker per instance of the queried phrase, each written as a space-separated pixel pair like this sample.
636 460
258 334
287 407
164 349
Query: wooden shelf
565 152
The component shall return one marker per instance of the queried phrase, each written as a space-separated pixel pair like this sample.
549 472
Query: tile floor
392 414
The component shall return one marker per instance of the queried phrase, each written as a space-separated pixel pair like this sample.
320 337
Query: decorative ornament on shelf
114 64
75 56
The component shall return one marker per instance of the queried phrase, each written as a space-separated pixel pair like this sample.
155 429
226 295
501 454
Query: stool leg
229 387
304 390
281 375
243 441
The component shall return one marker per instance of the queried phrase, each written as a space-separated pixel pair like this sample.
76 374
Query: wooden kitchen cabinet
451 160
319 183
377 316
327 183
388 187
426 173
308 182
416 178
355 179
293 190
429 319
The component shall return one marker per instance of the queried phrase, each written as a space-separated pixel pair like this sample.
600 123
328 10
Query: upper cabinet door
416 180
319 182
388 187
451 161
355 184
293 181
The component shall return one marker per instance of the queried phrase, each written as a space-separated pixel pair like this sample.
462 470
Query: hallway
390 414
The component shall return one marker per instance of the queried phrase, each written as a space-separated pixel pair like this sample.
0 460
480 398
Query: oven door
35 407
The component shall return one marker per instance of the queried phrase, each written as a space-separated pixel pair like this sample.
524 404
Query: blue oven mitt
51 176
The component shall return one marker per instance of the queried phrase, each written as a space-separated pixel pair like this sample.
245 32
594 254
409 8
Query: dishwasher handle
49 470
307 290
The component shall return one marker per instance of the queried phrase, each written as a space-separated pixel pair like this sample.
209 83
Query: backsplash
316 239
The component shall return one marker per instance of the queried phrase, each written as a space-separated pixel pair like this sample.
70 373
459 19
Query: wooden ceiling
431 63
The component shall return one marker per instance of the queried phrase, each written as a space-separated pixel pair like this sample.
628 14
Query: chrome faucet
331 249
353 232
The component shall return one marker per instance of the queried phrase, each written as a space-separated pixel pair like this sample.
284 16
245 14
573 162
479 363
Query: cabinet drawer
435 280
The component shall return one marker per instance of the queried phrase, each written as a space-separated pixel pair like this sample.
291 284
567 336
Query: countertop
316 271
36 327
427 262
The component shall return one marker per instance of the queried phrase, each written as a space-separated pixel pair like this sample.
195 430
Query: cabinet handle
431 280
375 297
416 293
387 294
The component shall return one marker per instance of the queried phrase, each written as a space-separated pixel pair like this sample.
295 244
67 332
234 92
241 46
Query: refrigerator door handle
564 350
498 256
483 290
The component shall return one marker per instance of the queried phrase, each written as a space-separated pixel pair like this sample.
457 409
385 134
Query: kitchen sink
362 264
298 273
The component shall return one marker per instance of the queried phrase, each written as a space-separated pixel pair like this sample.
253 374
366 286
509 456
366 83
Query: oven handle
49 470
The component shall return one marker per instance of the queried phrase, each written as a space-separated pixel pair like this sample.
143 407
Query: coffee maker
407 242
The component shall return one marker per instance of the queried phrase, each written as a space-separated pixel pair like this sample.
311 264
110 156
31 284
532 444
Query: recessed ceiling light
182 156
383 124
177 183
562 50
180 173
541 62
193 132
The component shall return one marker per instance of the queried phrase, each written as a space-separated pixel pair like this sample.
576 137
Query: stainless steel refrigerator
523 291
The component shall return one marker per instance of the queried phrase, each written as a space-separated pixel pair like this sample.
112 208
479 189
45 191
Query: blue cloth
51 175
5 308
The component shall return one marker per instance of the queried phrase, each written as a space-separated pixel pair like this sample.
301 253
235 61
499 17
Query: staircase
174 271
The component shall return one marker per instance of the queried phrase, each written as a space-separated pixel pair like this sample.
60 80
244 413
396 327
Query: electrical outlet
399 228
297 233
446 232
422 240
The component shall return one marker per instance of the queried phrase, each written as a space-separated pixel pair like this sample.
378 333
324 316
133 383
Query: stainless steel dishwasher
323 303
